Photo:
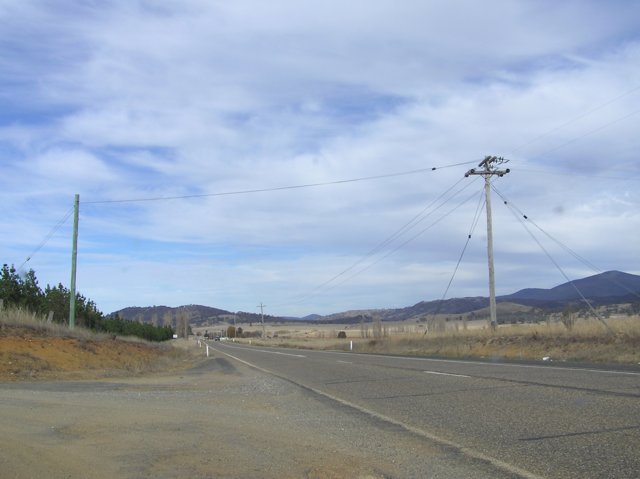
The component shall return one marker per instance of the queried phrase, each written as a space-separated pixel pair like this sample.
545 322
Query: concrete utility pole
74 256
261 306
489 168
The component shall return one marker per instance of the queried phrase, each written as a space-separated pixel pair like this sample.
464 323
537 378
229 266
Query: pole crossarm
489 167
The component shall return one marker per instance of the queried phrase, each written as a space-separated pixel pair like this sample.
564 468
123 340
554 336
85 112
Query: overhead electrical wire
585 175
476 218
277 188
590 132
571 252
522 221
48 236
576 118
419 217
409 240
443 198
418 234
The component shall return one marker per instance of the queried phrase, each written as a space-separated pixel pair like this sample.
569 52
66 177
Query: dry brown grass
30 348
19 318
588 341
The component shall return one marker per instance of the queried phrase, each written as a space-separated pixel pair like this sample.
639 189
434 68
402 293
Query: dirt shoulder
27 355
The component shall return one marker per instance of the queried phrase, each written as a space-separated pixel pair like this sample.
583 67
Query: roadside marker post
207 350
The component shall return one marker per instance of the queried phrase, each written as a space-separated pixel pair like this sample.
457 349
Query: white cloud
143 99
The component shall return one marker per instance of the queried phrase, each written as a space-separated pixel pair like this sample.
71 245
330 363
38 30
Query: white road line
549 367
344 362
265 351
447 374
278 352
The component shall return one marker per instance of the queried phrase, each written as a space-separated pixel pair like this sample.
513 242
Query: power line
585 175
278 188
576 118
571 252
590 132
403 244
417 219
474 223
399 232
555 263
48 236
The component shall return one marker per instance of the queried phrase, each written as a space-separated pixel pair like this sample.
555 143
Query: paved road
532 420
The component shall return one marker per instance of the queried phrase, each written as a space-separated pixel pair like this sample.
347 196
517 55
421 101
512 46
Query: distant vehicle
217 338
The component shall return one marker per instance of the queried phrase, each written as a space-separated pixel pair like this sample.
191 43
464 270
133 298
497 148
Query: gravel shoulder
220 419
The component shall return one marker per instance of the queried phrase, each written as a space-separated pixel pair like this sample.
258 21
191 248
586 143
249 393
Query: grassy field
587 341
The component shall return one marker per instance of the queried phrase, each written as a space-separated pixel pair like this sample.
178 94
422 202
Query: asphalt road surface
527 420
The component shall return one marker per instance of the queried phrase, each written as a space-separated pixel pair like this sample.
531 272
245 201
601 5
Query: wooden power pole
489 167
261 306
74 256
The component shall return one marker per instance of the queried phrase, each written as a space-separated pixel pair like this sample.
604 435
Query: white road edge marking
547 366
278 352
420 432
446 374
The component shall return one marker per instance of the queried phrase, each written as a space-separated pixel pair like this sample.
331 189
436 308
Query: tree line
23 291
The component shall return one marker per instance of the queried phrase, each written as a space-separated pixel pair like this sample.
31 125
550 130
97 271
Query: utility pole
261 306
489 167
74 256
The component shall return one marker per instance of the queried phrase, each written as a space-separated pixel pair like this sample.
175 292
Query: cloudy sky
207 109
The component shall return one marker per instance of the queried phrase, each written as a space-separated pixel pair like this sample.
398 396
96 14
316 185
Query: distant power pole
261 306
489 167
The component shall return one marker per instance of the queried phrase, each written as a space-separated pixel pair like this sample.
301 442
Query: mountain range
611 287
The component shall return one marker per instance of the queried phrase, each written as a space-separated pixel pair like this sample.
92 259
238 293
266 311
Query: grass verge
587 341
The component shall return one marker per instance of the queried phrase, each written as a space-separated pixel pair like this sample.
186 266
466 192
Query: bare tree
167 319
182 328
377 329
568 318
364 329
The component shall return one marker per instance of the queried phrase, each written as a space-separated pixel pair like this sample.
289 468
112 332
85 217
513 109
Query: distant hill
163 314
611 287
603 285
197 315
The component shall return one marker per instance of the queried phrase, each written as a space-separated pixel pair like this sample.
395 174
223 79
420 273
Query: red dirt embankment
24 354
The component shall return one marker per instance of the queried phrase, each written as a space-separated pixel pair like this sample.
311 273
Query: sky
182 124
